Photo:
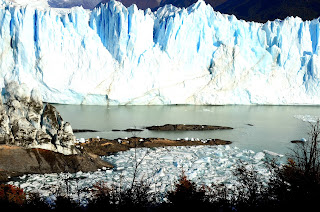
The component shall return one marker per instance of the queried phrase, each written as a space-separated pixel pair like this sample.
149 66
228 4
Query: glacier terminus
127 56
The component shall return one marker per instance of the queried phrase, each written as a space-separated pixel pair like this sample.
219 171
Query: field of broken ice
161 167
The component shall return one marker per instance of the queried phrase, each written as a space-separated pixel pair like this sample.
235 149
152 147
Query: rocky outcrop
35 139
27 122
5 135
186 127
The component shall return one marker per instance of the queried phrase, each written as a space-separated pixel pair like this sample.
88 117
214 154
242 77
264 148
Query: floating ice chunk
303 140
207 159
218 153
199 161
188 156
161 173
259 156
203 160
270 153
167 158
307 118
192 175
23 177
222 160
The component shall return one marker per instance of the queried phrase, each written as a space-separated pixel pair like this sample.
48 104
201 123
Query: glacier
125 56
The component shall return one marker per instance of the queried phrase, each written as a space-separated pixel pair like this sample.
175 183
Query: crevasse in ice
195 55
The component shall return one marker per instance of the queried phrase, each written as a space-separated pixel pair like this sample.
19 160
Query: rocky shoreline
103 147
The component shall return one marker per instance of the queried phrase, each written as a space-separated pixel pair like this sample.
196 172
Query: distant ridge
141 4
264 10
249 10
187 3
155 4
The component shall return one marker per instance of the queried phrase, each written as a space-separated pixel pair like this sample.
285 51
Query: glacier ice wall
119 55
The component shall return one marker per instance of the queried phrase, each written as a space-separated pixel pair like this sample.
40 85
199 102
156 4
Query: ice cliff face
119 55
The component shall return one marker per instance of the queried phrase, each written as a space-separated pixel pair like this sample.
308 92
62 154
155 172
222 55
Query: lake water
273 126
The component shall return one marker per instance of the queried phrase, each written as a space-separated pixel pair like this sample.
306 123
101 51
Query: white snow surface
117 55
161 167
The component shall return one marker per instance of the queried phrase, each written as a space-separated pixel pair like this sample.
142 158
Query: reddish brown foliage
186 193
12 194
184 184
101 189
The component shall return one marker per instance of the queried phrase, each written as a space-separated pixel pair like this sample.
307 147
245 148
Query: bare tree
305 157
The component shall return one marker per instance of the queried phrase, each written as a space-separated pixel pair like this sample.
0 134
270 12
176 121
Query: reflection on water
273 127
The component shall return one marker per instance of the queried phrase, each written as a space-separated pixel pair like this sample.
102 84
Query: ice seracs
118 55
